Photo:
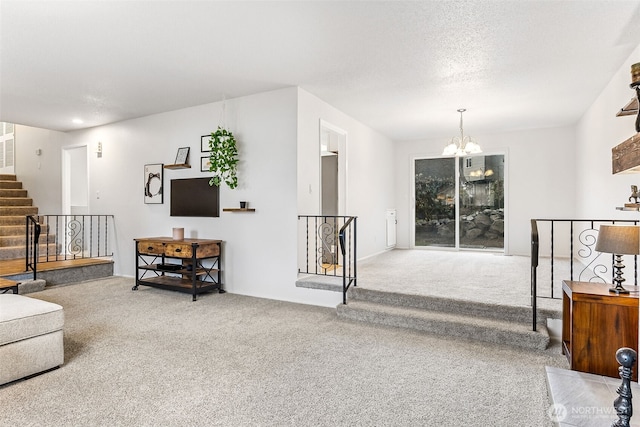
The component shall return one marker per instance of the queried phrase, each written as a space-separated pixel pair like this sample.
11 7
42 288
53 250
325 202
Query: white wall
40 175
259 256
598 191
370 170
540 172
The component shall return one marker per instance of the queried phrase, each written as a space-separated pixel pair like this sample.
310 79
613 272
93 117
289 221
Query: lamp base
619 289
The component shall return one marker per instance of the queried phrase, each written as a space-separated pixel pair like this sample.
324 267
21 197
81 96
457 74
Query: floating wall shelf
630 109
238 210
178 166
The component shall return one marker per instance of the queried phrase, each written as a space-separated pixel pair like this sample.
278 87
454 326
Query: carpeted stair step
15 252
19 229
18 211
13 220
16 201
5 184
13 192
455 325
7 241
314 281
518 314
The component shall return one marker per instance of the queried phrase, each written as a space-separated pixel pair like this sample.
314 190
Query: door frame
412 203
342 165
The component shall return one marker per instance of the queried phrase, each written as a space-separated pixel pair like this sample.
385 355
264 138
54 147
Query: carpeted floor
155 358
471 276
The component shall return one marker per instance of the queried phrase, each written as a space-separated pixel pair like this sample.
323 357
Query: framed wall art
204 164
182 156
153 183
204 143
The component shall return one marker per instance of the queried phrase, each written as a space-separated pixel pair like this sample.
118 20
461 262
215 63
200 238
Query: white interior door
75 186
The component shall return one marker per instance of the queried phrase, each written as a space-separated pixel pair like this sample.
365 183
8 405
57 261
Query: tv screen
194 197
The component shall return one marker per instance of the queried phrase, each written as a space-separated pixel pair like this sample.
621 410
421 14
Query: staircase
14 206
498 324
462 319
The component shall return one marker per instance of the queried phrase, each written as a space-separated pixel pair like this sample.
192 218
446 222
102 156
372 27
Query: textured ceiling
402 68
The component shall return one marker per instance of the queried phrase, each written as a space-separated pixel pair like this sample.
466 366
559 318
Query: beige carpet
155 358
472 276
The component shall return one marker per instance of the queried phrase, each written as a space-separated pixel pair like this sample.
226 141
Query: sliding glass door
459 202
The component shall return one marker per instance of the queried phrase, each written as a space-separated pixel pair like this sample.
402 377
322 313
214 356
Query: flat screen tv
194 197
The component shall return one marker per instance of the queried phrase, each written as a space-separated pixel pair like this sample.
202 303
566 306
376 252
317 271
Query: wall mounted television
194 197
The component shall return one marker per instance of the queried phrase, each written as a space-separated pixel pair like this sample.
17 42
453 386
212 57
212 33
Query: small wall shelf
631 108
178 166
238 210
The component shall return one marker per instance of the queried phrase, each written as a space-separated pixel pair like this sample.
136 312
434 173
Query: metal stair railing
67 237
576 243
330 248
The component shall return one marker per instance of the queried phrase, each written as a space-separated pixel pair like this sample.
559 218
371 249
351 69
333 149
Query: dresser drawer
208 250
152 248
178 250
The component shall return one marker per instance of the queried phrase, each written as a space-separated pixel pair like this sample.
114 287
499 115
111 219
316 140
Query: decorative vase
178 234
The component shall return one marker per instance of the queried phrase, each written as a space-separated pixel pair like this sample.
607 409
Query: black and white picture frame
182 156
205 163
204 143
153 183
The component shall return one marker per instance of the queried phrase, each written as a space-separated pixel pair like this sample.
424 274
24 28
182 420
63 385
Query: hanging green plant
223 158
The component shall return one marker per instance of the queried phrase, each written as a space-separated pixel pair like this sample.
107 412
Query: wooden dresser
595 324
187 265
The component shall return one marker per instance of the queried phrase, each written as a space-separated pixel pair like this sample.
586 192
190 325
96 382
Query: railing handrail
341 234
31 220
535 251
584 220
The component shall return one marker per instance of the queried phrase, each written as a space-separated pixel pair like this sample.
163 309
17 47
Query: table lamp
619 240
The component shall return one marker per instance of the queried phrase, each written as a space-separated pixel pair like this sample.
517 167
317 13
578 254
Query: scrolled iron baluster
326 233
74 231
588 240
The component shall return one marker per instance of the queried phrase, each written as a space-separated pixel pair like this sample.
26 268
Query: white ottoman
30 336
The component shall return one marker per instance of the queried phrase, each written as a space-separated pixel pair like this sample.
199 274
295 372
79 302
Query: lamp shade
619 239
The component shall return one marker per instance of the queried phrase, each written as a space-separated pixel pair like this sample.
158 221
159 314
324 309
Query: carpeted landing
155 358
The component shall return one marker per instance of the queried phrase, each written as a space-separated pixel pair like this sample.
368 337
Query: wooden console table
595 324
186 271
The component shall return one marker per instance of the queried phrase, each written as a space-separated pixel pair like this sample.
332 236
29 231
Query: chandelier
461 145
